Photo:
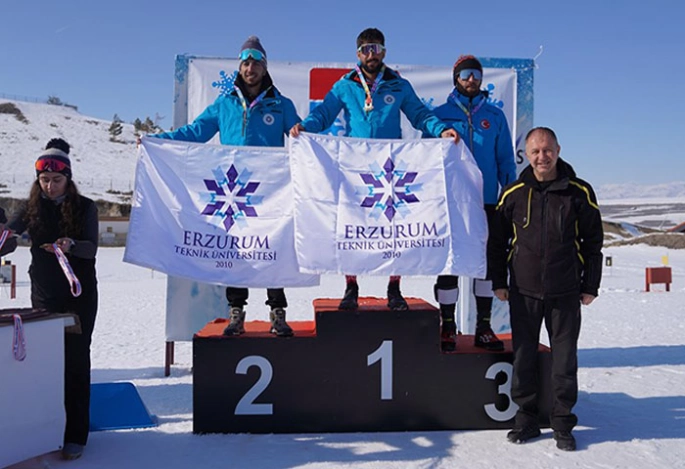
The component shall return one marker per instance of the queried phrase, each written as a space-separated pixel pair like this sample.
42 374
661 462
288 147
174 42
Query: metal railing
31 99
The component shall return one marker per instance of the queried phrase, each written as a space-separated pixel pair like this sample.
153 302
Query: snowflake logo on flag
389 190
231 197
225 82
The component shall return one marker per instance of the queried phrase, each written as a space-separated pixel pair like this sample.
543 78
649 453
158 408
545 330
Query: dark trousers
238 297
562 320
76 364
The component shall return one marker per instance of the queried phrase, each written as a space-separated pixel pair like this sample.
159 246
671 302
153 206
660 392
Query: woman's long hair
71 224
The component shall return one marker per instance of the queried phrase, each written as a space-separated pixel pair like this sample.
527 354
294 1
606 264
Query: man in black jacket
549 235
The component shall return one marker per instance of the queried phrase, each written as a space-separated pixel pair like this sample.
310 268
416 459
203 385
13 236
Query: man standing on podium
485 131
254 113
372 97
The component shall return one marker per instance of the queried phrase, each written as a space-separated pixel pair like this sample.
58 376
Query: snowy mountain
615 192
104 170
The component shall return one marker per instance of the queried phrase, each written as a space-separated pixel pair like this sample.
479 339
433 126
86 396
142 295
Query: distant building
113 230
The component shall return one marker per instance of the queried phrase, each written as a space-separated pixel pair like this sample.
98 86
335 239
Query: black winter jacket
49 286
550 237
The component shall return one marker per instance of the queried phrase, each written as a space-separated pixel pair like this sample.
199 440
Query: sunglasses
366 49
51 165
252 54
464 74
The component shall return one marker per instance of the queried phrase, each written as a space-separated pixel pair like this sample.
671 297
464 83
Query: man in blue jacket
372 97
484 129
254 113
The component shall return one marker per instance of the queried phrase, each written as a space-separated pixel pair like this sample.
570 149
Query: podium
367 370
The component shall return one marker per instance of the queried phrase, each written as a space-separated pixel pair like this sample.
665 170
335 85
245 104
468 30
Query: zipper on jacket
543 240
468 116
469 112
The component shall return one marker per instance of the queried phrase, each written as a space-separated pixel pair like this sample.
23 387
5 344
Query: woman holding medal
372 98
63 226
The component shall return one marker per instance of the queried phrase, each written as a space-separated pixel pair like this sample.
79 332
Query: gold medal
368 101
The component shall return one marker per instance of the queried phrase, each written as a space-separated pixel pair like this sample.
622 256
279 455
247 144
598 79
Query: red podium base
347 371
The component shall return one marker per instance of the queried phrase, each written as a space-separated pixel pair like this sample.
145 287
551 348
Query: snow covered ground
632 383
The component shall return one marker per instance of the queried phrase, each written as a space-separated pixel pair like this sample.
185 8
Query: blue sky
609 80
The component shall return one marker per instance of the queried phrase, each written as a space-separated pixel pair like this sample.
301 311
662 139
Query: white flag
215 214
387 207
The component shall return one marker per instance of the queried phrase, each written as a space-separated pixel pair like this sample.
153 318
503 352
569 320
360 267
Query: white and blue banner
200 80
215 214
387 207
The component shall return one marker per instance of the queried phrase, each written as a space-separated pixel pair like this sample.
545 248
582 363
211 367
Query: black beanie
465 62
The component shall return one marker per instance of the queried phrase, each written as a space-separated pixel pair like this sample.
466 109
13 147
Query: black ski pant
76 362
237 297
451 282
562 320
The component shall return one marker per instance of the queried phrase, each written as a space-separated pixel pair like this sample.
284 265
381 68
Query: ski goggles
366 49
51 165
252 54
467 72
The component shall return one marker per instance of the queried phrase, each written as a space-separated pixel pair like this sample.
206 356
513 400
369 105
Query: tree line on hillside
148 126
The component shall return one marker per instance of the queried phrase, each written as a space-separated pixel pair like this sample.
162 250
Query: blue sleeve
323 115
420 116
290 116
504 154
203 128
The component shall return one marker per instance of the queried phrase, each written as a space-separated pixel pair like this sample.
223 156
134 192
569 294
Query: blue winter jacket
265 125
394 94
488 139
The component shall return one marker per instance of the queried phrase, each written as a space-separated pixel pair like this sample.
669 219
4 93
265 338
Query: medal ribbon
254 102
3 237
18 340
368 102
454 98
68 271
